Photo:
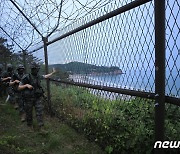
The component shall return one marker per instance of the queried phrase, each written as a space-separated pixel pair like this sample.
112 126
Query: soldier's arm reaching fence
50 74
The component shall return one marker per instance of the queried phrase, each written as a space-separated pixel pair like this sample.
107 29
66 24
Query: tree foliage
83 68
5 52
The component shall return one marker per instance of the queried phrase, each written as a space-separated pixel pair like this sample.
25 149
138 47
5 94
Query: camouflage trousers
11 95
38 105
20 102
3 89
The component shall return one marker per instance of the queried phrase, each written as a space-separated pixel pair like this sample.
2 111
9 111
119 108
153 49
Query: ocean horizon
133 80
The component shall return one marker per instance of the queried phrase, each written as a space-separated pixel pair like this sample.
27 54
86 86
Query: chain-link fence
115 61
172 48
116 68
122 46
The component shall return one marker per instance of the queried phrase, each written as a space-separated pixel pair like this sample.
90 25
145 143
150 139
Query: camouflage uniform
33 98
18 94
8 89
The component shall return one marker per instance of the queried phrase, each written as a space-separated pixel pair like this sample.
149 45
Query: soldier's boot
23 117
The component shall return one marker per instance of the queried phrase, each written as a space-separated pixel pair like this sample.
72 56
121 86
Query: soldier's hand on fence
54 70
50 74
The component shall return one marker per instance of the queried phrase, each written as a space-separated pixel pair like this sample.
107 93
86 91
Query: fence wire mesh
173 48
103 120
126 42
16 28
116 53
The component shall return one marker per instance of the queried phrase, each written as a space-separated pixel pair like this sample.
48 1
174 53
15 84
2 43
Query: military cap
34 65
9 66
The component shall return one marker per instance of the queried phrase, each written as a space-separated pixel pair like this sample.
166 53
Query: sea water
134 80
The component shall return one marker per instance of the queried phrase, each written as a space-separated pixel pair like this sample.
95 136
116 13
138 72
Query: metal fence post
45 40
159 70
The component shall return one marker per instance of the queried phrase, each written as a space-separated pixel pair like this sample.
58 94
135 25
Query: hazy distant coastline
114 77
83 68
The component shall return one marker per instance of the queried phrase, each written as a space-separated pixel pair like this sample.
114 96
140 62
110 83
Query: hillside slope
16 138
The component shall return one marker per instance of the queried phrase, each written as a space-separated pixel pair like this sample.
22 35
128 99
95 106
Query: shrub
117 125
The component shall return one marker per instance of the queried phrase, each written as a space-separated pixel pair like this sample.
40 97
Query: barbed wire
46 15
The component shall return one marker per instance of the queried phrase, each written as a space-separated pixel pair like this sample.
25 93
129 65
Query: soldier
6 80
15 80
32 93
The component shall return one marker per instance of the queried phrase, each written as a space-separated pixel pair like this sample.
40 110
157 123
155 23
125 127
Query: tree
5 52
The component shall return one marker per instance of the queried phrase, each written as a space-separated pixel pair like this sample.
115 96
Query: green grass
118 126
15 137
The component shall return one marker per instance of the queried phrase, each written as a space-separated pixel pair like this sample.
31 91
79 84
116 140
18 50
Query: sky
44 15
117 39
114 38
126 40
